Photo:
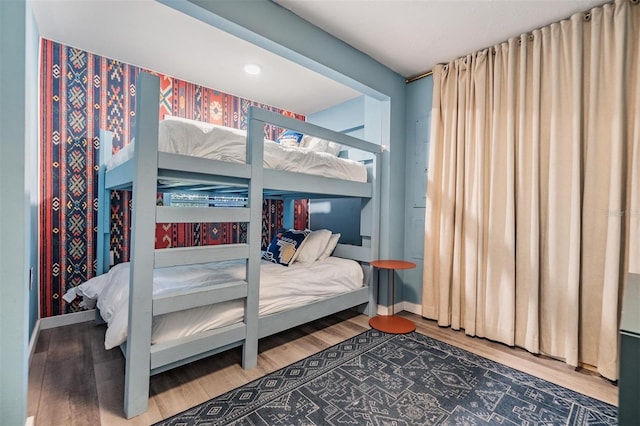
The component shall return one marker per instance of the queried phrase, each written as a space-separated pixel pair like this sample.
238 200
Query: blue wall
347 117
31 164
419 99
14 214
419 95
339 215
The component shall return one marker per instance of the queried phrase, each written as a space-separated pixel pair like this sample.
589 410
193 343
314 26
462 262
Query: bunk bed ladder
141 357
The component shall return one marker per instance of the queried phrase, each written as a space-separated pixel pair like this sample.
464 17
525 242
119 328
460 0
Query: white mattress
226 144
281 288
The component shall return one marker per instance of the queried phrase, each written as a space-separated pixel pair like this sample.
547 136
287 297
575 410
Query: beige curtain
532 218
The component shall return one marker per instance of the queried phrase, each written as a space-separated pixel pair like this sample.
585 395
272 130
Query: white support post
104 207
136 395
255 152
104 231
372 306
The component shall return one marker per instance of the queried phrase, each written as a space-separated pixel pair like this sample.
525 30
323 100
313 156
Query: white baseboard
414 308
33 340
30 421
67 319
386 310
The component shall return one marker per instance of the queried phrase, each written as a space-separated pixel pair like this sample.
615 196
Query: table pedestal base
392 324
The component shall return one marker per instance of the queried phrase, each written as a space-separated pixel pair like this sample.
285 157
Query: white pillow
313 247
320 145
90 290
202 125
331 246
334 148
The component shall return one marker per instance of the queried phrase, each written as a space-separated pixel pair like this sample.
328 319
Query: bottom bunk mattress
281 288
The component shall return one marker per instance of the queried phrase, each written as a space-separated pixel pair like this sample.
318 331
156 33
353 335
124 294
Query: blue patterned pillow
290 138
284 246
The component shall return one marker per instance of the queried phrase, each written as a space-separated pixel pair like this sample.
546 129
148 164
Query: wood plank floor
73 380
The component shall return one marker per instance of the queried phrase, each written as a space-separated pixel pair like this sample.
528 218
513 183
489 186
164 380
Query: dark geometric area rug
383 379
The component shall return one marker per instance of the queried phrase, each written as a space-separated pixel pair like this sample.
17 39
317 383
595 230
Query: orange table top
393 264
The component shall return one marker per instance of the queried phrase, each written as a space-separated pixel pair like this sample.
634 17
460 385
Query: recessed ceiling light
252 69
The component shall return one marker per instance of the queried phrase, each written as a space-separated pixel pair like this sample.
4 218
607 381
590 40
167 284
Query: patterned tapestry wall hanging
80 94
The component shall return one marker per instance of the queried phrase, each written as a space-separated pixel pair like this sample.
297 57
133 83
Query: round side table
392 323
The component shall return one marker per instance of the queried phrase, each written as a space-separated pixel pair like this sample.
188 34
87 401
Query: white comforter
281 288
226 144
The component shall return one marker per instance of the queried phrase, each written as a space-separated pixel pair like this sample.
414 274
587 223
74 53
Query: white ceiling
175 44
411 36
408 36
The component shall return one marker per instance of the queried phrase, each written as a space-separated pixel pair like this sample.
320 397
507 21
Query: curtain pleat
527 300
532 217
633 147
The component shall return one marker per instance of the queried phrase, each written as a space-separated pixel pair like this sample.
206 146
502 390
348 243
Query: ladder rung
165 214
201 254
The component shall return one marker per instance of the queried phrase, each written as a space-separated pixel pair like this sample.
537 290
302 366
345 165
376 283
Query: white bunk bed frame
141 175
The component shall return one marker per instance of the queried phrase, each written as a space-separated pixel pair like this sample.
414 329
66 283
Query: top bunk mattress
210 141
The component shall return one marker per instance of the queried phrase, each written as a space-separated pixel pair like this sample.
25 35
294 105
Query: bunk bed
148 170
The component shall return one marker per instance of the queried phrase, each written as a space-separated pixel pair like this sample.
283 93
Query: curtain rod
587 14
418 77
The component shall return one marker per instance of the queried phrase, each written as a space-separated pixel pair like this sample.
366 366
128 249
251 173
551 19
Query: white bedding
226 144
281 287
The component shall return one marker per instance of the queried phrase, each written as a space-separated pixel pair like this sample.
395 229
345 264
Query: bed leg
366 309
371 308
136 396
249 354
